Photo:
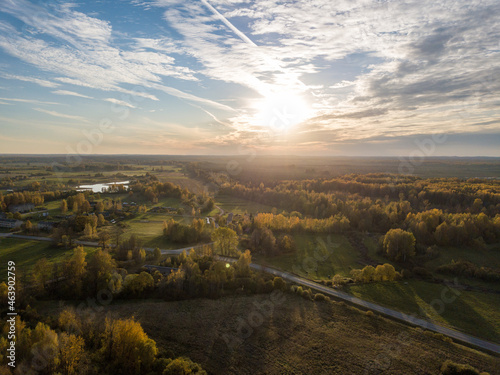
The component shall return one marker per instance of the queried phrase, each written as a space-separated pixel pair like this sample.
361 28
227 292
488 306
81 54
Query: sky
410 78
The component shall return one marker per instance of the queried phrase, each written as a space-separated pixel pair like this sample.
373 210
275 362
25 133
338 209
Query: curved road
459 336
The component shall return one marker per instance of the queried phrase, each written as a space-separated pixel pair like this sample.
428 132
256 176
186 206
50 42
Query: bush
299 291
369 313
279 283
319 297
451 368
307 294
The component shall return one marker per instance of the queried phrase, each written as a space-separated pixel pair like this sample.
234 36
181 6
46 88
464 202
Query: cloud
85 54
369 68
120 102
71 93
61 115
41 82
33 101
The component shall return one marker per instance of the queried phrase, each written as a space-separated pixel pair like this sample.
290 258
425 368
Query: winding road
459 336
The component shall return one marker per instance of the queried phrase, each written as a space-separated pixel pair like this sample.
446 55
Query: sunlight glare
282 111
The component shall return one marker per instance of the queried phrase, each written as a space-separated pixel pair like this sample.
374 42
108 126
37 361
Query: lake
99 188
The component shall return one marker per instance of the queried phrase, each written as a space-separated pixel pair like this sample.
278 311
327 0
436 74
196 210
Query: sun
281 111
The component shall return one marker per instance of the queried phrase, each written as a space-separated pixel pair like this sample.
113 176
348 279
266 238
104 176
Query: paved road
459 336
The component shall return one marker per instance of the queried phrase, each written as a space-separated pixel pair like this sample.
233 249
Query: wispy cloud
33 101
38 81
71 93
120 102
87 56
61 115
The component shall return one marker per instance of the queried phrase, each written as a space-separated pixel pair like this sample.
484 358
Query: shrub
369 313
307 294
319 297
279 283
451 368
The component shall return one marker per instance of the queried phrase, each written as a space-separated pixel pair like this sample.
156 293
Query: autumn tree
225 241
399 244
128 347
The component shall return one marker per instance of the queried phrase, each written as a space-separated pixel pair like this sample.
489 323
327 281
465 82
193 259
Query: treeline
194 275
204 276
452 193
468 269
195 232
445 229
82 342
333 224
152 190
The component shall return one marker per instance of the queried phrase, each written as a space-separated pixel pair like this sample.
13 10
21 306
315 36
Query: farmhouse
46 225
10 223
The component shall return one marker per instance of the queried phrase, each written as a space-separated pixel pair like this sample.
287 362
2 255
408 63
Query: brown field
300 337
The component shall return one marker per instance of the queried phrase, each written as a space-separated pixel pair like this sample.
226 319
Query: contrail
228 24
247 40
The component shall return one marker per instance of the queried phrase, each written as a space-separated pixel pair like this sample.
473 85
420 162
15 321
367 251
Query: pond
107 187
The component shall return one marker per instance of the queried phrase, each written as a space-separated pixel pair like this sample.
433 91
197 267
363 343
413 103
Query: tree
100 266
225 241
41 274
27 226
88 231
99 207
139 255
71 350
183 366
64 206
75 270
399 244
263 240
100 220
104 238
279 283
156 254
128 347
286 244
242 265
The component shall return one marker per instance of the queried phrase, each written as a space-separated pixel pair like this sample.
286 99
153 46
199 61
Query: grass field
473 312
240 206
26 253
315 261
296 337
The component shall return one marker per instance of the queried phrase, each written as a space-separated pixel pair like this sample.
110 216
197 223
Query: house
229 218
10 223
46 225
21 207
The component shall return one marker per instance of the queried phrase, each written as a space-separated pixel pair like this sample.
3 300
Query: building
229 218
10 223
46 225
25 207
